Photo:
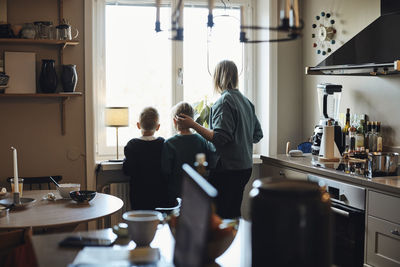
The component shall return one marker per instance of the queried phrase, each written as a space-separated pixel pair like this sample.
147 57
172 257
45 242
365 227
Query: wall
375 96
33 126
279 85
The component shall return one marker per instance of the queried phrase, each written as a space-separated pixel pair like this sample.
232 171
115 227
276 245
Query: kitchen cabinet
383 230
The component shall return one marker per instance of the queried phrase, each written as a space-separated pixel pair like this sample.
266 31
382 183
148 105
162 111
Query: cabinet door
383 243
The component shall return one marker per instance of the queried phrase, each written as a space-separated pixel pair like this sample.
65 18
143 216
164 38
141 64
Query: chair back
37 182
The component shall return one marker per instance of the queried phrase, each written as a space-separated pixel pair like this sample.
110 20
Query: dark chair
38 181
16 249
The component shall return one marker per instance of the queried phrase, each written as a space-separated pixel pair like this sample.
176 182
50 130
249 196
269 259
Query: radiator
120 190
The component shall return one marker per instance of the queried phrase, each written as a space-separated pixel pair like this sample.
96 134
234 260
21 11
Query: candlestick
287 9
158 3
210 6
180 18
242 16
16 188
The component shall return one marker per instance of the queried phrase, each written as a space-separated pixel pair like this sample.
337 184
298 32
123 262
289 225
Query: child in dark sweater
143 164
182 148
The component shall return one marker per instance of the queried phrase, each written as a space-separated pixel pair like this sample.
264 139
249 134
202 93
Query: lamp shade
117 116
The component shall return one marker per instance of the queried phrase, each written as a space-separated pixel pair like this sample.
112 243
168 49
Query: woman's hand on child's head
185 120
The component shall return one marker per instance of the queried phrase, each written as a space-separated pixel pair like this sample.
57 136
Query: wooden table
49 253
61 213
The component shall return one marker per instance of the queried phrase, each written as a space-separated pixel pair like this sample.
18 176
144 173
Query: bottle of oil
345 131
379 141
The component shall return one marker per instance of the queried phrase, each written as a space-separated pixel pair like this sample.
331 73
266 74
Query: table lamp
117 117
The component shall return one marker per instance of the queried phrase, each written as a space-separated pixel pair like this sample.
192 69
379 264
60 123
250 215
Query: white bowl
64 189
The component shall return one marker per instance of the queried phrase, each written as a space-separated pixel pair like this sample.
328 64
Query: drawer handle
395 232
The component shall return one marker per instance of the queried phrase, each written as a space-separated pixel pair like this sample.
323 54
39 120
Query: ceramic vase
48 76
69 78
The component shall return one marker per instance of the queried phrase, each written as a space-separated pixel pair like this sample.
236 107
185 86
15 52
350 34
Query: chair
16 249
38 181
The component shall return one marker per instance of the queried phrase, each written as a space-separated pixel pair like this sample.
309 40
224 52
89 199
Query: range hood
373 51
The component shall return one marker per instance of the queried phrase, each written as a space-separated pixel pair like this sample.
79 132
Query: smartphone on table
79 241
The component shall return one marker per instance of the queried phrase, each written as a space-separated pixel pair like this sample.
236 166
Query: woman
234 128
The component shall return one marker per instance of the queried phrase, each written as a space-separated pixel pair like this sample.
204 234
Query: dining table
59 214
49 253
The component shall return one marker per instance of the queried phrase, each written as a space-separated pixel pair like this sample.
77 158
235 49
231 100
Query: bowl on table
64 189
82 196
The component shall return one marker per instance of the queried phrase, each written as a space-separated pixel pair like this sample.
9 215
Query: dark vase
69 78
48 76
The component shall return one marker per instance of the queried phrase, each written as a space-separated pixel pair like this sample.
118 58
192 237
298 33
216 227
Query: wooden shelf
54 95
62 96
63 43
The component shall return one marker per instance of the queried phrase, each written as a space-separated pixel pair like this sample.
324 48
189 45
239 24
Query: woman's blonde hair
225 76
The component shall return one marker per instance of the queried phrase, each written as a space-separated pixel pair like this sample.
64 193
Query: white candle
158 2
16 188
180 20
242 16
210 6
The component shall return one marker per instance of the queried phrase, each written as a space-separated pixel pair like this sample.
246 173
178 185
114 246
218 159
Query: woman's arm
188 122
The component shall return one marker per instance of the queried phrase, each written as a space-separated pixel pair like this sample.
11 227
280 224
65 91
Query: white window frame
97 59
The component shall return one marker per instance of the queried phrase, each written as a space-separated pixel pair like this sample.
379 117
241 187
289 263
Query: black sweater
143 164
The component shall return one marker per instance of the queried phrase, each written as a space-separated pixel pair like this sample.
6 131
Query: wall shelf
63 97
63 43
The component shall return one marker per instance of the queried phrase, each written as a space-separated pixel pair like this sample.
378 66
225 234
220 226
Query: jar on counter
44 29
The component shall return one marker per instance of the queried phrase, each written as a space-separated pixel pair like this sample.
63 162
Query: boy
182 148
143 164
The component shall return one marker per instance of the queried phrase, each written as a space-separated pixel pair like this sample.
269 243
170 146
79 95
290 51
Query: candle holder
16 198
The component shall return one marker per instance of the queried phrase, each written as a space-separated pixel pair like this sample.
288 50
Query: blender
328 102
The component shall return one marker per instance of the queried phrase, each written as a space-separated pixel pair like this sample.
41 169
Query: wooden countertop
307 164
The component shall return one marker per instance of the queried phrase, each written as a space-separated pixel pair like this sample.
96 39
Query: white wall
378 97
279 84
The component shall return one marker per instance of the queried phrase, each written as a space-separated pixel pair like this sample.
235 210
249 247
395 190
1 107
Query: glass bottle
345 131
352 139
201 164
360 136
367 133
372 138
379 141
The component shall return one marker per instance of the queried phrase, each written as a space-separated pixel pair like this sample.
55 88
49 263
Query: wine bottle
379 141
345 131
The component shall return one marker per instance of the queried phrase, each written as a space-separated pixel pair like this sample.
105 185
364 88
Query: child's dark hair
149 119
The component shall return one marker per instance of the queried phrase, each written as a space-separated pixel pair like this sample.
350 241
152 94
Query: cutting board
21 68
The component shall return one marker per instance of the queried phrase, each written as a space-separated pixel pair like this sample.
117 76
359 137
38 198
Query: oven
348 221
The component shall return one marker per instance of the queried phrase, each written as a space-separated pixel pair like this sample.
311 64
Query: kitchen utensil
54 181
25 202
329 96
64 32
82 196
382 164
44 29
65 189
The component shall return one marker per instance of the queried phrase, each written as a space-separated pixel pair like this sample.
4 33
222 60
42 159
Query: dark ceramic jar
48 76
69 78
291 224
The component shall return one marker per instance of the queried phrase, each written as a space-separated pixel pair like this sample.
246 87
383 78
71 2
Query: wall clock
324 33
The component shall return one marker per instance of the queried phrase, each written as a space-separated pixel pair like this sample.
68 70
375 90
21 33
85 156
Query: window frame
101 150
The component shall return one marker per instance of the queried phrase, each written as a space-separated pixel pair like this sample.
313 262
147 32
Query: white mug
142 225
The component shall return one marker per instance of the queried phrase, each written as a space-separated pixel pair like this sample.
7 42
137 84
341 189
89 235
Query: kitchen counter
309 164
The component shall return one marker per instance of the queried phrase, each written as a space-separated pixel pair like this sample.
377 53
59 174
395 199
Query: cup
20 185
142 225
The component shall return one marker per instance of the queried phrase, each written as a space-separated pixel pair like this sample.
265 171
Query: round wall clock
324 33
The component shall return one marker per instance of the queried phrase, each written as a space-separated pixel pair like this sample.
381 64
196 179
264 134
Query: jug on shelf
64 31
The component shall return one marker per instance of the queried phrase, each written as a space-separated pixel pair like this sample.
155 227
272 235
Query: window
144 68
